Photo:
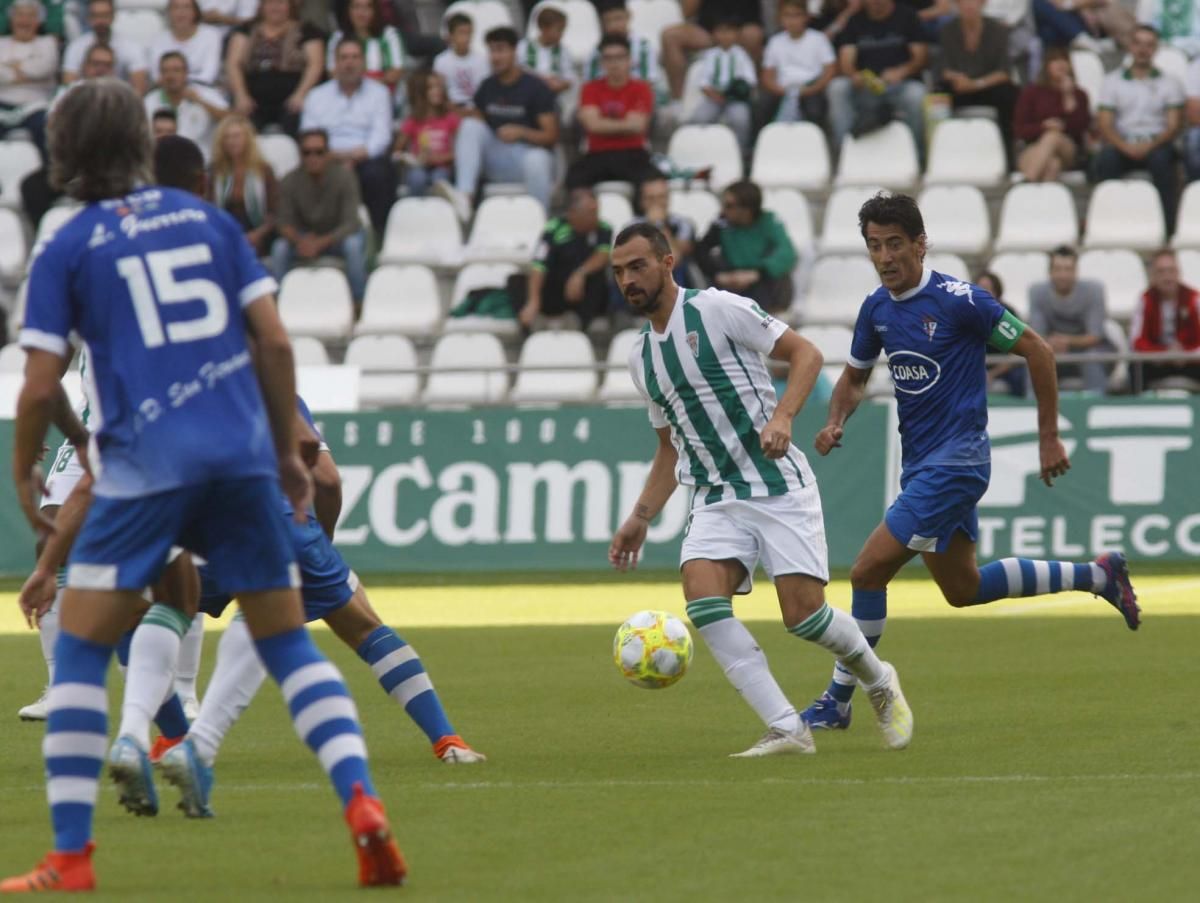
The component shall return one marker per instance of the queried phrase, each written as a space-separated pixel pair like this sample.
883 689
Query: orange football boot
161 745
57 872
379 859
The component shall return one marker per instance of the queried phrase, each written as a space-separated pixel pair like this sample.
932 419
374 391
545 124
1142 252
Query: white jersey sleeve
747 324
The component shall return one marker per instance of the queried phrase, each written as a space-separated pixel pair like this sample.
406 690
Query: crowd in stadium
469 106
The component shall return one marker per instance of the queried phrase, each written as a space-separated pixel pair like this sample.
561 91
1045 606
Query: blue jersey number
158 269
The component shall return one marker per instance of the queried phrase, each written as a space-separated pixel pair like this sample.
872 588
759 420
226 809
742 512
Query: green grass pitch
1054 759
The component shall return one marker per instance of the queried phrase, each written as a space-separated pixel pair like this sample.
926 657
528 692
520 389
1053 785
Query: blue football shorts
934 503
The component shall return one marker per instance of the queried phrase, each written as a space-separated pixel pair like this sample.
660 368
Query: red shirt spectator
1150 333
1037 103
615 103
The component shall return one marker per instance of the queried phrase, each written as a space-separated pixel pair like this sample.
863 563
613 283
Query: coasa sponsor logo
913 373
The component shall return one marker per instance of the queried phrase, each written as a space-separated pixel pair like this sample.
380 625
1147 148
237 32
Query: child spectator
729 82
545 56
426 138
797 66
462 69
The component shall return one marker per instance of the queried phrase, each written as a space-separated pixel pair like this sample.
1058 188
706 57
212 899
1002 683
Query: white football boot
892 711
35 711
776 742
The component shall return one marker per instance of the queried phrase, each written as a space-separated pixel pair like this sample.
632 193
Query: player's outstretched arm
1043 376
41 398
847 395
804 362
660 483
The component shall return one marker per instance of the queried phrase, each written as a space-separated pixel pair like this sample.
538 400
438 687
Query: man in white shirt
729 82
356 112
198 108
187 33
131 60
798 65
461 68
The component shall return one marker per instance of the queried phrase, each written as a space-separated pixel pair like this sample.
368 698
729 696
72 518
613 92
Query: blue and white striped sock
1013 578
76 738
322 711
403 677
869 608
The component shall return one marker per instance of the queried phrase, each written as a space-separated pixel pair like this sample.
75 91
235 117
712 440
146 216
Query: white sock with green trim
236 678
48 632
188 666
151 670
743 661
833 629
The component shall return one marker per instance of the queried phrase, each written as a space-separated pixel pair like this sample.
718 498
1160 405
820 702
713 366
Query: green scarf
1176 19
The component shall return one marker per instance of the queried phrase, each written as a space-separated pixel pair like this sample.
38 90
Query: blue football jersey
935 338
154 285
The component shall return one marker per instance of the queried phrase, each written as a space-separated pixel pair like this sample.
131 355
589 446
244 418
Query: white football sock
151 667
833 629
238 675
48 632
188 666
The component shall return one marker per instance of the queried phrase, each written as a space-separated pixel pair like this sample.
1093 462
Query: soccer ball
653 649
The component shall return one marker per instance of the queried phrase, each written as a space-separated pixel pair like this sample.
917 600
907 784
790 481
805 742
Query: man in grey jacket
1069 313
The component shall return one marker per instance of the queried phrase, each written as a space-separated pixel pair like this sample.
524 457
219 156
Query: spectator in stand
881 56
197 108
461 68
1192 115
355 113
318 214
615 113
1167 319
568 285
131 60
695 34
28 64
834 16
56 14
654 206
1012 375
510 136
728 87
163 123
226 15
1078 23
242 183
1177 24
1069 312
747 250
614 19
798 65
426 138
1052 120
975 65
187 34
382 48
545 56
1141 115
272 63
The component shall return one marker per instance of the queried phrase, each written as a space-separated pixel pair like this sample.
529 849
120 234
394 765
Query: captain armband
1006 333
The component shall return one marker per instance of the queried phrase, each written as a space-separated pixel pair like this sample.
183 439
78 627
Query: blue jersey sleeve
253 281
979 313
865 346
48 315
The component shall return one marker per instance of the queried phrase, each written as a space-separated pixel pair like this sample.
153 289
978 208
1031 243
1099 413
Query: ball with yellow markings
653 649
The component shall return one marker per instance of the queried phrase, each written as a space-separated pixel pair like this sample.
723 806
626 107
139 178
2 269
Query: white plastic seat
617 384
506 230
17 160
1037 216
1089 75
834 344
138 26
1125 213
1018 271
1189 267
948 264
488 382
791 155
13 251
1187 227
475 276
697 205
315 301
309 351
966 152
840 233
886 156
12 358
956 219
699 146
650 18
565 348
583 26
375 355
281 152
422 230
837 287
400 300
791 209
485 14
615 210
1123 275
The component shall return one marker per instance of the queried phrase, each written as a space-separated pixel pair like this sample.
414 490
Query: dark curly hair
892 210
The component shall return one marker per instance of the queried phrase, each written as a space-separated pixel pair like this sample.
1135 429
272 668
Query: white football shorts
65 474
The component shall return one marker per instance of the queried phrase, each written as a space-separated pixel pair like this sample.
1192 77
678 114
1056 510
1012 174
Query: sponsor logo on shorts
912 372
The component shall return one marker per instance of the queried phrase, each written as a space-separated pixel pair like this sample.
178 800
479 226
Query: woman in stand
1052 119
242 182
381 44
28 66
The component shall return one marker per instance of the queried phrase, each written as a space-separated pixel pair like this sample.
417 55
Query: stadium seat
956 219
1125 213
650 18
17 160
160 5
699 146
615 210
565 348
886 156
698 205
474 276
281 152
834 344
315 301
375 355
1037 217
617 384
1123 275
791 209
583 27
1089 75
966 152
791 155
1187 229
488 383
422 230
693 83
506 230
400 300
1189 267
840 233
948 265
12 358
138 26
13 250
1017 272
485 14
309 351
53 220
837 287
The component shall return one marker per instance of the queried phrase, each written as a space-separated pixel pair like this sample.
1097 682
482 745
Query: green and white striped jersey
705 378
